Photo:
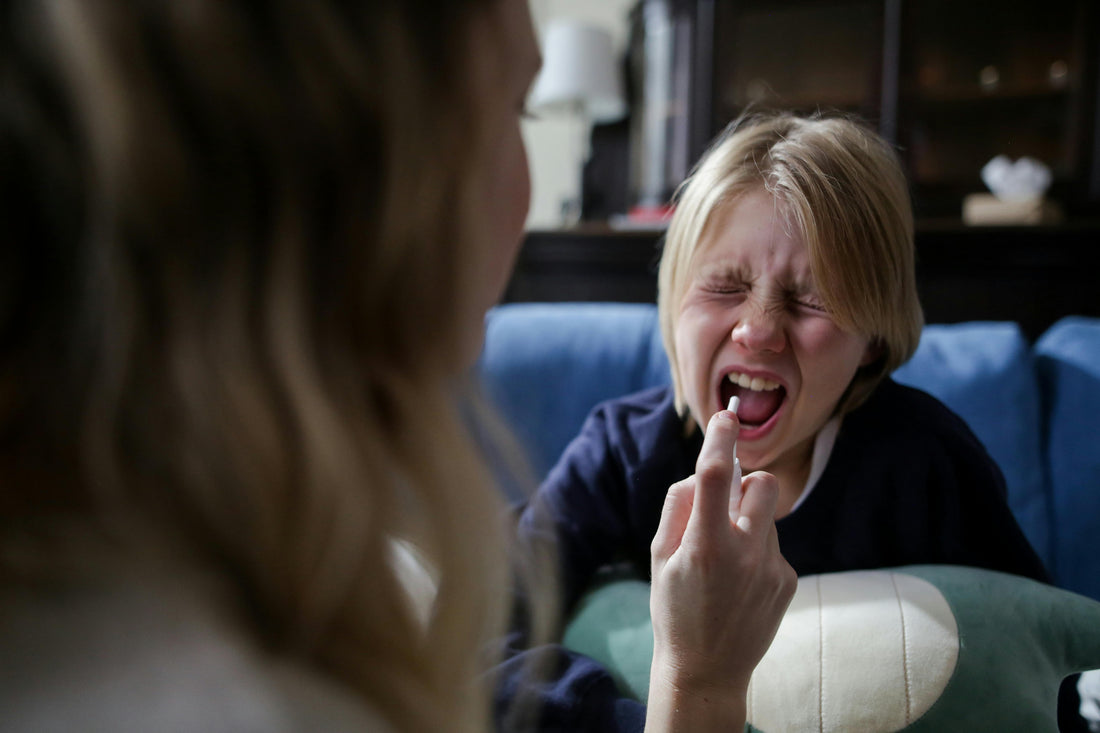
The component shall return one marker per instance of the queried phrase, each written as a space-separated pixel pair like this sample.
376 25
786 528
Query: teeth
756 384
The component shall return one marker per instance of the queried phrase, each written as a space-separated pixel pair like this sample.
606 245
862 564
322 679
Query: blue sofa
1036 407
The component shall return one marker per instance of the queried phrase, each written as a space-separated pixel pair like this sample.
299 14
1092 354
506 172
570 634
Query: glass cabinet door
802 55
982 78
953 83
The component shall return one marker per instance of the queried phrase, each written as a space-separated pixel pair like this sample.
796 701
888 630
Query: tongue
757 407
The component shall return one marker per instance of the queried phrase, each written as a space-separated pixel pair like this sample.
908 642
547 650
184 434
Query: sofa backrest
547 365
1068 357
985 372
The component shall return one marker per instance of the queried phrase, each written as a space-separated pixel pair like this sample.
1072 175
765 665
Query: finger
772 547
674 519
758 503
735 490
773 538
714 474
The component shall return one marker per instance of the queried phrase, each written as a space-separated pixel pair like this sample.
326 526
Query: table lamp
579 78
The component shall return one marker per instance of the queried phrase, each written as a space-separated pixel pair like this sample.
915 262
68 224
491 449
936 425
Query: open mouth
760 398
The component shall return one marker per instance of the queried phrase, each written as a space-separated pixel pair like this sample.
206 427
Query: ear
872 353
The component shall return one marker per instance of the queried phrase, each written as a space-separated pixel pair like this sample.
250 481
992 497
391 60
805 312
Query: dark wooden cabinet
982 78
1030 275
951 82
798 55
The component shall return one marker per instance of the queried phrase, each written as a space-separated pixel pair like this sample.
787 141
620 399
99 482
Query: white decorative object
1025 178
1019 194
1088 687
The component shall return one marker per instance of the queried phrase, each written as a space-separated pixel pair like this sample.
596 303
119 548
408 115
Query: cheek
511 196
504 203
502 193
689 343
831 355
698 337
820 336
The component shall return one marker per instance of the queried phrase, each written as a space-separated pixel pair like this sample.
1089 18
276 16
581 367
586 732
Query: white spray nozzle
735 489
735 403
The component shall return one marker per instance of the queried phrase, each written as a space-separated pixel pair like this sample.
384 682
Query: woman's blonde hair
842 188
236 236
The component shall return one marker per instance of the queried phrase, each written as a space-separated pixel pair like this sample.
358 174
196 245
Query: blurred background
954 84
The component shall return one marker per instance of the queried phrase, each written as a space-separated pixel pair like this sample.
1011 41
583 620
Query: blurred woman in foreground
250 246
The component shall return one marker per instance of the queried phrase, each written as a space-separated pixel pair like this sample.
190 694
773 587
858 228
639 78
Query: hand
720 589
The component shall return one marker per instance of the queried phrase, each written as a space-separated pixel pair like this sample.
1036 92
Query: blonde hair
842 187
237 235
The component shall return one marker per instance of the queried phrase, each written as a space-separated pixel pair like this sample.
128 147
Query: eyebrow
728 270
806 284
723 269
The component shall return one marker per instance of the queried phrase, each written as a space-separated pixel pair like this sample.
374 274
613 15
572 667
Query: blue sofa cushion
1069 368
986 373
545 366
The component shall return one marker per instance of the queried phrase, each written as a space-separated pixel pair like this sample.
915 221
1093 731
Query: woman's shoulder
134 653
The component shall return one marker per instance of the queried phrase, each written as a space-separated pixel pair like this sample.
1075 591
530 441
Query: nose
760 330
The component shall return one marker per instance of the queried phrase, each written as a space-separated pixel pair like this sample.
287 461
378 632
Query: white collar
823 448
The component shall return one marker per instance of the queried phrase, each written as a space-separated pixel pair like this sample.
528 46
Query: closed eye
811 305
724 289
722 281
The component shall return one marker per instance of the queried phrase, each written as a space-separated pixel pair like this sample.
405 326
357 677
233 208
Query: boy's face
751 309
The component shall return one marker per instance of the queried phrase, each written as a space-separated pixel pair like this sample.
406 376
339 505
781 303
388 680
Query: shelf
1032 275
970 94
802 102
914 71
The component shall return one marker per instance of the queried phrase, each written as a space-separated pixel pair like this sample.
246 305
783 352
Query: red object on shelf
651 214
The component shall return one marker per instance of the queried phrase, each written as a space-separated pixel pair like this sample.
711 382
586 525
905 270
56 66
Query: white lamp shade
579 73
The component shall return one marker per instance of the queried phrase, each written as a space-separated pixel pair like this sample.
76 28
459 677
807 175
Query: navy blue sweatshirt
907 482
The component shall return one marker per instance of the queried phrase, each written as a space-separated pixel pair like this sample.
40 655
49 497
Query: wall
554 145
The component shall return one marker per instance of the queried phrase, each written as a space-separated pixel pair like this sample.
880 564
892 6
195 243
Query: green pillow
919 648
